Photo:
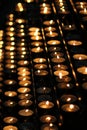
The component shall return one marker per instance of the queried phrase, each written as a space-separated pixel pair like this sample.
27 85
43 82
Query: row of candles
37 73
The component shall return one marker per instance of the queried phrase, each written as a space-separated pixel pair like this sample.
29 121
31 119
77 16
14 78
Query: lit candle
36 37
56 54
41 72
49 28
50 126
34 29
10 93
23 90
20 21
65 86
70 108
40 66
10 82
46 105
20 7
48 119
25 102
25 83
10 120
36 33
39 60
80 57
10 66
10 127
25 112
83 11
60 67
36 43
53 42
25 96
51 34
74 42
82 70
24 72
29 1
45 10
43 90
10 103
61 73
37 50
24 78
23 62
57 59
68 98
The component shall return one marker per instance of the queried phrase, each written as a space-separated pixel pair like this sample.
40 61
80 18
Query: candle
10 93
60 67
45 10
10 120
49 28
56 54
23 62
74 42
10 127
80 57
53 42
20 21
65 86
10 33
49 127
23 69
37 50
24 78
12 29
34 29
46 105
48 119
25 83
10 103
10 39
69 27
39 60
36 43
83 11
41 72
49 22
36 33
25 102
65 79
84 85
36 37
10 82
51 34
70 108
61 73
10 48
40 66
25 96
24 72
25 112
68 98
82 70
20 7
10 66
29 1
43 90
57 59
23 90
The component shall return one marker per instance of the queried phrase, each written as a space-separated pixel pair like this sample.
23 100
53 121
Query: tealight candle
49 28
29 1
23 90
36 37
37 50
51 34
37 43
23 62
45 10
10 120
24 78
53 42
25 112
57 59
74 42
56 54
41 72
54 49
39 60
25 83
82 70
68 98
20 21
10 103
10 66
25 96
10 127
49 127
20 7
65 86
60 67
80 57
36 33
10 48
43 90
10 82
10 93
23 69
24 73
46 105
61 73
40 66
48 119
25 102
49 22
83 11
34 29
70 108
